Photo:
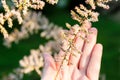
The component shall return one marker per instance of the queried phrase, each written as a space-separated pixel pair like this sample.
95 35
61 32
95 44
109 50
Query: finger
76 53
78 44
65 73
49 68
76 75
95 62
49 61
87 24
87 49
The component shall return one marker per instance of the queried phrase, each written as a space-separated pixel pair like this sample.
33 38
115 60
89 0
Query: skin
85 66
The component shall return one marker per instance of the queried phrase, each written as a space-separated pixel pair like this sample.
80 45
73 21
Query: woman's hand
85 66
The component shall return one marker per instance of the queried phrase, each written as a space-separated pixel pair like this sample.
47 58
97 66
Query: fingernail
92 30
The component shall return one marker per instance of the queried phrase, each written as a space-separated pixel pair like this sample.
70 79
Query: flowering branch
20 9
82 13
33 23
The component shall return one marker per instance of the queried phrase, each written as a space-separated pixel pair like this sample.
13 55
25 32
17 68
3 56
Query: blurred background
108 34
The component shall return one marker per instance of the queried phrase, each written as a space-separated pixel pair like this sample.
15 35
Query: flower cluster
32 62
100 3
19 10
8 17
30 25
82 13
14 75
69 47
33 23
52 1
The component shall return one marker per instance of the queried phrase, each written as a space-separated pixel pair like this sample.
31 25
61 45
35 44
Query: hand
85 66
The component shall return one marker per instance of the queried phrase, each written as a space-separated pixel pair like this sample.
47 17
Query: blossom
100 3
82 14
32 62
52 1
19 10
33 22
14 75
